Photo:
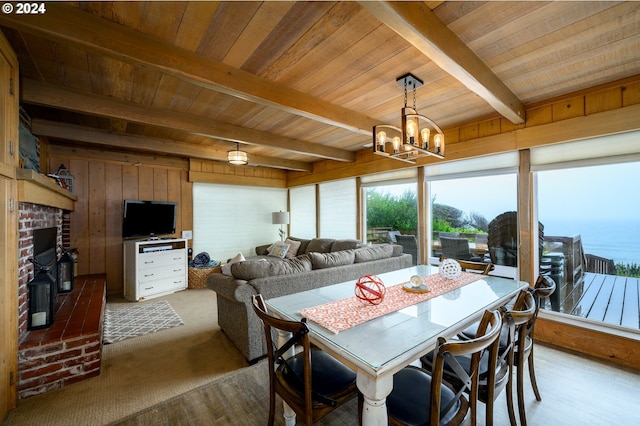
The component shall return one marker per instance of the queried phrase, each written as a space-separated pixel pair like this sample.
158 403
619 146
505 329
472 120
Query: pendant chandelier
237 157
418 137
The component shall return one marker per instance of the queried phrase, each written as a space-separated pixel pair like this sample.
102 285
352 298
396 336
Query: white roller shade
611 149
338 209
302 201
232 219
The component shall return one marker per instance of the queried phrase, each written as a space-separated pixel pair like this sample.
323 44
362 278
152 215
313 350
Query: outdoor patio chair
457 248
409 245
311 382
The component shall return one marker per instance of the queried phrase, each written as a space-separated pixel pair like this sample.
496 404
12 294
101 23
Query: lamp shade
237 157
280 218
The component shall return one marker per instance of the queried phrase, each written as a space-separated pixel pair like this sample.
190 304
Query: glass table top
396 337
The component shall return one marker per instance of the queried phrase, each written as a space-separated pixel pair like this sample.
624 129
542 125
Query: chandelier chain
405 92
414 99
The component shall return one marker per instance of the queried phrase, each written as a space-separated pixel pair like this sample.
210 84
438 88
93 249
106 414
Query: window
232 219
390 208
468 196
592 240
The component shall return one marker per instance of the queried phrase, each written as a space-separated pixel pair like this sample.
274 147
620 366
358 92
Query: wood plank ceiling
296 82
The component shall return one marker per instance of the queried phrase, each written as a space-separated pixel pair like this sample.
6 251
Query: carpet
138 320
238 398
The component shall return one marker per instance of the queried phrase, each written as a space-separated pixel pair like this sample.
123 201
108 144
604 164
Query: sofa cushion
253 269
374 252
320 245
339 245
397 250
226 268
329 260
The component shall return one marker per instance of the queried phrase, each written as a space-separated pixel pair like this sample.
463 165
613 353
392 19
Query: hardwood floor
575 391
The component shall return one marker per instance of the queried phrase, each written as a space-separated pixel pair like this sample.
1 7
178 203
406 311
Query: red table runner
342 314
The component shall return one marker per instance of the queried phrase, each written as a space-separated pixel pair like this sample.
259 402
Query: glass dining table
378 348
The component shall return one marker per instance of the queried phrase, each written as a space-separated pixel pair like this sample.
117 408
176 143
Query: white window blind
302 202
232 219
480 166
611 149
338 209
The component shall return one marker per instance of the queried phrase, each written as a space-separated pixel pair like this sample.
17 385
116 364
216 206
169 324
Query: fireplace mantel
38 189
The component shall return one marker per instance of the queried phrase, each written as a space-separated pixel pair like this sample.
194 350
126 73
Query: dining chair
421 397
467 265
457 248
543 288
310 381
496 367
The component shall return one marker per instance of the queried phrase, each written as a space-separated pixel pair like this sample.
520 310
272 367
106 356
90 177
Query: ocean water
617 240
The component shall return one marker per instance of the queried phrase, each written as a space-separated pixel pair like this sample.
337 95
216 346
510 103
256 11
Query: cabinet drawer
158 272
152 288
154 260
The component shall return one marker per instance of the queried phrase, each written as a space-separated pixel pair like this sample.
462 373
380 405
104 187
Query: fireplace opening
43 294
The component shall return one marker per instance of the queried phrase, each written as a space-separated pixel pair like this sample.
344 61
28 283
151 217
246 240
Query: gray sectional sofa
317 263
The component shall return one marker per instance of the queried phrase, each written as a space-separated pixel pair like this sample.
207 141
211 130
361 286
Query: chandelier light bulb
425 137
437 140
396 144
411 131
381 138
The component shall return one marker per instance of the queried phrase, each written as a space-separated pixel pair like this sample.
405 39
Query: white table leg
375 391
289 414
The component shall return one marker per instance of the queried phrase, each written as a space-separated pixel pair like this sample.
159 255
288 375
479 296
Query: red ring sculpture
370 290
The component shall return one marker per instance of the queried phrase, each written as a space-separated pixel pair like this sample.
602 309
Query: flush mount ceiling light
418 137
237 157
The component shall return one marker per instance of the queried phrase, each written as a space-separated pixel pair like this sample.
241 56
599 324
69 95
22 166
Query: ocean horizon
619 241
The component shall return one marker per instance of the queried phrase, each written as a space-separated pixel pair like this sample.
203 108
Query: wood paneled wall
102 181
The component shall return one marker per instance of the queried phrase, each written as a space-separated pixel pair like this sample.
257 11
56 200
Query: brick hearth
70 350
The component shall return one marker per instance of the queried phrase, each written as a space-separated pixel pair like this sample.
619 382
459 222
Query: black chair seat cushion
328 375
409 401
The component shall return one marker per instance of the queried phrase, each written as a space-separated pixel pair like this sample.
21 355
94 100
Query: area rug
238 398
138 320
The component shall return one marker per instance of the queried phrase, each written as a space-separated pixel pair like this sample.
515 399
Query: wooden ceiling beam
39 93
140 143
72 25
415 22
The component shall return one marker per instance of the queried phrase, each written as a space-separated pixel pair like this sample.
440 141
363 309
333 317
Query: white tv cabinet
154 268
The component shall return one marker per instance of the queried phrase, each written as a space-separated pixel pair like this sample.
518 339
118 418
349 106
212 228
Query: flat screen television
148 218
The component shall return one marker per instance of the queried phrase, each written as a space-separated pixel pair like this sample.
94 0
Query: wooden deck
606 298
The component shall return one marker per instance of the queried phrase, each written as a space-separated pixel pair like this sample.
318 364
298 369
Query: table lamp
280 218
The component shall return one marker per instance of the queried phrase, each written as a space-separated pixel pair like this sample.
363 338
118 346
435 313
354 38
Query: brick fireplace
70 349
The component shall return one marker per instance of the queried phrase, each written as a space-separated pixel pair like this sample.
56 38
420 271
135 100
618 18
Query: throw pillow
303 244
294 246
329 260
226 268
278 250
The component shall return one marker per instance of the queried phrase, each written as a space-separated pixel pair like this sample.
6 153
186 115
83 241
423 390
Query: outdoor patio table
380 347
